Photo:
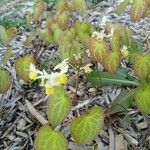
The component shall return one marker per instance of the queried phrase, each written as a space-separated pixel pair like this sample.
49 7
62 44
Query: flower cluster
50 81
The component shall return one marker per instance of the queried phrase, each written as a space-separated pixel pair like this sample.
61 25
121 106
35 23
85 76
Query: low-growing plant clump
80 48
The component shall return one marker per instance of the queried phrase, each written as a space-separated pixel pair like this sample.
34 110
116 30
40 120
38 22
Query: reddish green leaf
47 139
112 61
98 50
138 10
142 65
142 98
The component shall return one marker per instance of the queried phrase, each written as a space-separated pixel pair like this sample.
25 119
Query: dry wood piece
35 113
111 140
120 143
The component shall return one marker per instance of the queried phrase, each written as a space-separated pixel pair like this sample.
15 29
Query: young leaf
58 107
112 61
22 66
142 98
98 50
5 81
7 55
141 65
122 102
138 9
47 139
98 78
85 128
38 10
122 7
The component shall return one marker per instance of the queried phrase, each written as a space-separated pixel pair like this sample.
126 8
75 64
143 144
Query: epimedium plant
139 8
79 46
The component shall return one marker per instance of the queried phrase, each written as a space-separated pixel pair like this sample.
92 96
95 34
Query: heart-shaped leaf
58 106
98 78
5 81
112 61
85 128
98 50
122 7
142 98
22 66
142 65
138 10
47 139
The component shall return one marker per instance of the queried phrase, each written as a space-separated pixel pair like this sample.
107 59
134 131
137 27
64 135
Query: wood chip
35 113
120 143
111 140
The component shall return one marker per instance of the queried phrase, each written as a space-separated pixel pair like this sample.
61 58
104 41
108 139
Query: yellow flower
125 53
49 91
62 79
33 75
77 57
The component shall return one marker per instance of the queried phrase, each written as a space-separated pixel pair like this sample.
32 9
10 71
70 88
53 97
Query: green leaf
122 102
85 128
7 55
122 7
5 81
142 98
47 139
112 61
138 9
22 66
98 78
141 65
58 107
